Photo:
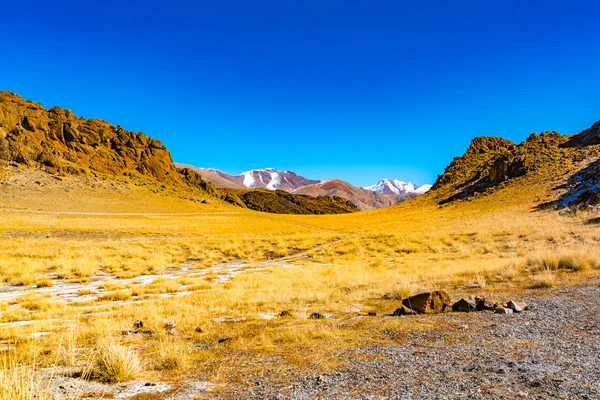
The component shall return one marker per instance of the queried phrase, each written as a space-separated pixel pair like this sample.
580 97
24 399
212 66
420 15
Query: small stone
464 305
517 306
173 332
170 325
502 310
198 330
403 311
224 340
139 324
316 315
285 313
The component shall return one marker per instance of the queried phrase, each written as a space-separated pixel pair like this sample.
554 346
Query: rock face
505 168
61 143
428 303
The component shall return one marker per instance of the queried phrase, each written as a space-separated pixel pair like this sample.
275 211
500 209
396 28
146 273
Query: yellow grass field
75 283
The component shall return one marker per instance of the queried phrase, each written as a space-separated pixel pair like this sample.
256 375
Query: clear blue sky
358 90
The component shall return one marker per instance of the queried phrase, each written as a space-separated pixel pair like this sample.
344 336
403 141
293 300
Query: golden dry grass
339 265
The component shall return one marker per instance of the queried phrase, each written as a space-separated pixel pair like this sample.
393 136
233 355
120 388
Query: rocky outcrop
59 142
506 167
492 163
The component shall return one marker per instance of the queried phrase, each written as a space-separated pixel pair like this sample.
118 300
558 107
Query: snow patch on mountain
423 189
392 186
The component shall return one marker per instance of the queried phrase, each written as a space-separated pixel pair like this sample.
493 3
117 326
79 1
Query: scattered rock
464 305
403 311
483 304
367 314
147 332
428 303
517 306
316 315
503 310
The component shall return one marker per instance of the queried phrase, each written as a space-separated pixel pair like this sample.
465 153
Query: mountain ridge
267 178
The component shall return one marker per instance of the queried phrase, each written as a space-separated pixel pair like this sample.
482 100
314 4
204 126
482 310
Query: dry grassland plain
73 284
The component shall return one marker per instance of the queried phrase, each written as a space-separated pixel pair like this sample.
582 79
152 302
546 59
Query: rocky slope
567 165
61 144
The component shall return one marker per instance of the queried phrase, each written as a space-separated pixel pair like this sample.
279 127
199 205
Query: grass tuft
115 363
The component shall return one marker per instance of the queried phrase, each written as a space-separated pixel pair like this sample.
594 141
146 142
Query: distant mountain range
382 194
394 186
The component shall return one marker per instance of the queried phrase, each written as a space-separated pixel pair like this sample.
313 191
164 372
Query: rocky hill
61 144
282 202
567 165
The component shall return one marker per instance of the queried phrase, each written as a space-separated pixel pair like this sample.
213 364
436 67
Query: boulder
517 306
464 305
428 303
403 311
483 304
503 310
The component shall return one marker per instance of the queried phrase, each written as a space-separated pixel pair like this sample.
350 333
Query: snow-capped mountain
423 189
265 178
273 179
384 193
394 186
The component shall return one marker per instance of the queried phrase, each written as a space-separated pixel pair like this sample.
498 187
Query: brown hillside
556 162
281 202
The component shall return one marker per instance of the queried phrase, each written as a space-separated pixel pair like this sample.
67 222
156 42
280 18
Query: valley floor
209 289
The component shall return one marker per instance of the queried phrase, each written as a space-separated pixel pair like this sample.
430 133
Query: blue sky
357 90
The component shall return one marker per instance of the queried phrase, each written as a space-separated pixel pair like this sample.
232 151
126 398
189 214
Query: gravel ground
550 351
